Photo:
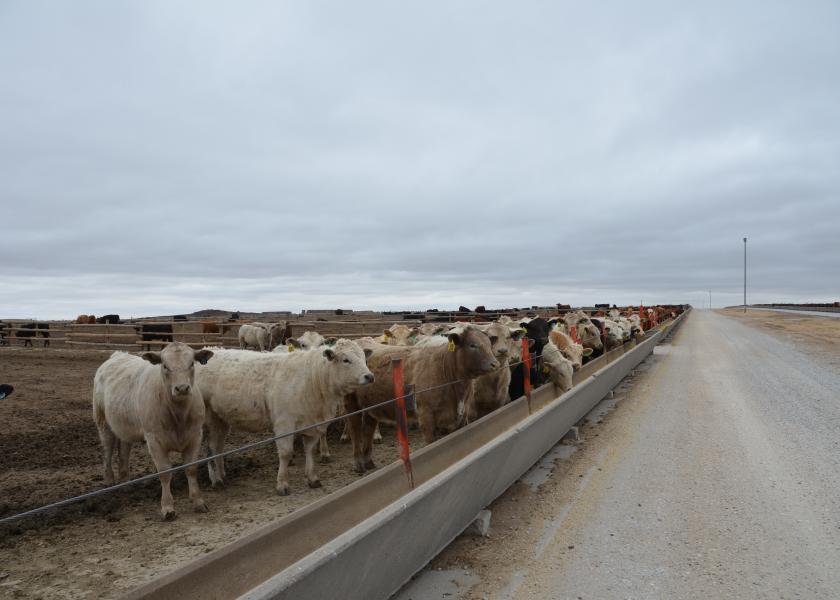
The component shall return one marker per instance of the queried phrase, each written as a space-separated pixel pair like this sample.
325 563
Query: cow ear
587 351
202 356
516 334
454 337
329 354
368 352
330 341
387 333
293 342
152 357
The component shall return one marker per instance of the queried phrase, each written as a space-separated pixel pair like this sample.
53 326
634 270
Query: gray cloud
161 158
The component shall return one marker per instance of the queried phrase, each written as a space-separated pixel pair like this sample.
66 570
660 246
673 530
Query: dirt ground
49 450
818 336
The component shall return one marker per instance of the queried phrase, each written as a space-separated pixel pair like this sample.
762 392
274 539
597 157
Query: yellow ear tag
291 347
451 346
546 370
384 339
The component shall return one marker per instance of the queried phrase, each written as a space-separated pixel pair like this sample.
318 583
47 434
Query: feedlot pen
49 450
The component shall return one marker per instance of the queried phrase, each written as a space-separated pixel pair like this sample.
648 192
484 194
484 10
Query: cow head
473 350
306 341
400 335
571 350
557 367
348 365
502 341
177 367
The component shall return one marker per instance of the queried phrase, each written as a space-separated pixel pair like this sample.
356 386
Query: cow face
474 350
400 335
348 365
501 341
177 367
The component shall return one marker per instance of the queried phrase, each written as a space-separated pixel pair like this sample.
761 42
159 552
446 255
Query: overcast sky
163 157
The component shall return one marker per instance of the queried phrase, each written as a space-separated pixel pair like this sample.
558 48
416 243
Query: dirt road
717 476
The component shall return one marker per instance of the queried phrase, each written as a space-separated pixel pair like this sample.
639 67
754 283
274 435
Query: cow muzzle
366 379
182 389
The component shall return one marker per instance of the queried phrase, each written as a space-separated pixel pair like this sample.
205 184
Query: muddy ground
49 450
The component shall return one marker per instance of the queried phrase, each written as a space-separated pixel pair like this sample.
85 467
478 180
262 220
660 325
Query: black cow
537 330
31 330
108 320
156 331
179 318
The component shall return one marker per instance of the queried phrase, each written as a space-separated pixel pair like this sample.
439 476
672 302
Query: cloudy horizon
163 159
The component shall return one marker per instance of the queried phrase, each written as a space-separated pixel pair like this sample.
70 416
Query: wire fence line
202 461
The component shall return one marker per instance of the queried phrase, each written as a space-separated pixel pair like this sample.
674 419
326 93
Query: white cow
255 392
254 335
151 399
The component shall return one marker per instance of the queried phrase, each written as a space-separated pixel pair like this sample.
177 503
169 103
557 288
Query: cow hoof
283 491
326 459
315 484
168 515
359 469
218 484
201 507
377 440
369 465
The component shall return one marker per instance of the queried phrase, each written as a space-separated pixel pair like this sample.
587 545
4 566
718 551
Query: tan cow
151 399
492 389
557 367
256 392
445 371
400 335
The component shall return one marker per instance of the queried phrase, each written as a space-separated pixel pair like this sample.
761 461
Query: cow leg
108 439
217 430
324 448
368 428
125 454
345 434
309 443
377 437
161 459
189 455
427 425
284 453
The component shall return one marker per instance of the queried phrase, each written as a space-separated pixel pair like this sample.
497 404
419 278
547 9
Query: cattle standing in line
249 391
440 410
152 399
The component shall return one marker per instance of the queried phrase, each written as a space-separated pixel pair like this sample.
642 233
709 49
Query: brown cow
439 411
209 327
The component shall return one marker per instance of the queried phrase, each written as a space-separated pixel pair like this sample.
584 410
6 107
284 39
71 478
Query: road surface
717 477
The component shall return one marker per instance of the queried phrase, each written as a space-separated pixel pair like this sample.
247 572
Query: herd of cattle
461 371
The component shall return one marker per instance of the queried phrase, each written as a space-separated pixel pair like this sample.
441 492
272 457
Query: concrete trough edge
375 558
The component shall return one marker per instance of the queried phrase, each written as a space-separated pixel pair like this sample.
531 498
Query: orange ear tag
451 346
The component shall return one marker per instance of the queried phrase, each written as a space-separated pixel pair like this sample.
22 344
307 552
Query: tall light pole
745 275
710 299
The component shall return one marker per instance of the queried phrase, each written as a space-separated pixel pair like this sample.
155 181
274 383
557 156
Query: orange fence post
526 356
400 391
